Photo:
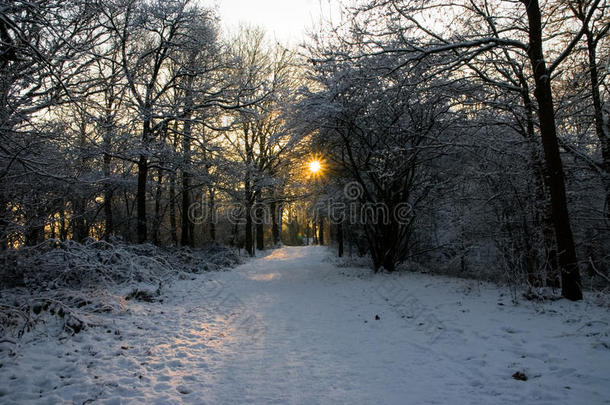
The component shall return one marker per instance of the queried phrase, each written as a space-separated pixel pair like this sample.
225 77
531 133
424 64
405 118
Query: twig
599 273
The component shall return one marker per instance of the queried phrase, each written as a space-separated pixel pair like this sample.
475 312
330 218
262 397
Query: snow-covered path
292 328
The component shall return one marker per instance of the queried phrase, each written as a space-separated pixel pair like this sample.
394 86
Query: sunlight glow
264 277
315 166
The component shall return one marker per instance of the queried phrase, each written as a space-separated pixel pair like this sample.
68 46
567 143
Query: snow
293 328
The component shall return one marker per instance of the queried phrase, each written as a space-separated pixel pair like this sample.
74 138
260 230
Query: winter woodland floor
292 328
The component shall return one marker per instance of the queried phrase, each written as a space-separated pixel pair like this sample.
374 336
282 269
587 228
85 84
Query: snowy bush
71 310
70 282
56 264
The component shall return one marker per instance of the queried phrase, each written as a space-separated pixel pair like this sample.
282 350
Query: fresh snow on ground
292 328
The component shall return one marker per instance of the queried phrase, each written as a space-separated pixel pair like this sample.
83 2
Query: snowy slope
293 328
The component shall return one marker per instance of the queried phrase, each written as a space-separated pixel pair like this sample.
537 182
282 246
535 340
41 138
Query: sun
315 166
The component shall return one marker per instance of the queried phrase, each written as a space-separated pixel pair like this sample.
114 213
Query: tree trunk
141 198
235 235
212 213
340 239
109 131
248 189
172 208
108 190
321 230
142 180
158 216
275 222
566 252
108 195
80 230
260 235
63 232
34 230
604 138
249 200
260 225
4 223
249 240
389 263
186 239
33 235
187 225
172 193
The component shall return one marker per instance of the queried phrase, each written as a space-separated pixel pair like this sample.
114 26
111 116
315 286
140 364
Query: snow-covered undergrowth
364 261
292 328
72 283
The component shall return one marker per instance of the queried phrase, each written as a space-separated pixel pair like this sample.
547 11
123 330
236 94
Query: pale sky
284 20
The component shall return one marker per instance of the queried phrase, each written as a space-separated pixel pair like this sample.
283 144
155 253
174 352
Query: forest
142 145
137 121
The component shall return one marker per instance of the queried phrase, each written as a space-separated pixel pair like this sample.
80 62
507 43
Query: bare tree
510 23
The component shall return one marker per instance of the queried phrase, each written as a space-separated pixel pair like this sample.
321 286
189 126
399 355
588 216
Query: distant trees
257 137
41 43
475 132
508 49
159 44
114 115
381 129
585 84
